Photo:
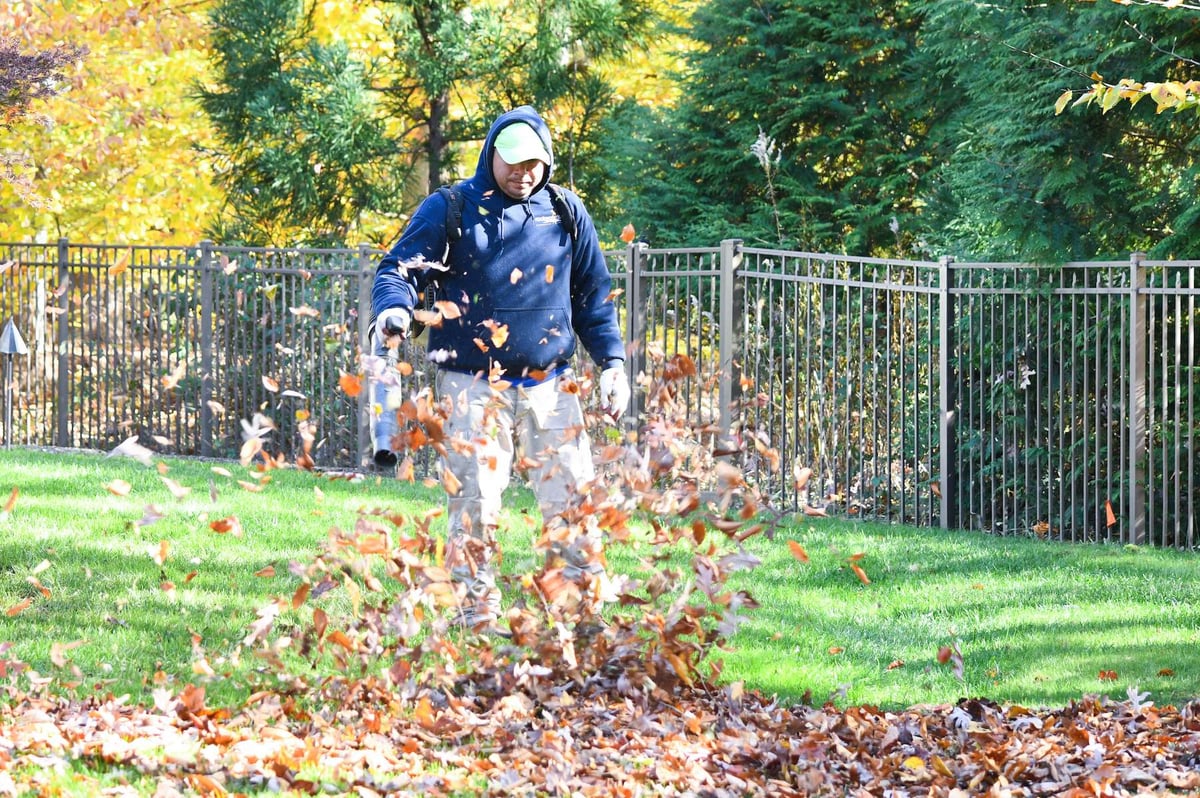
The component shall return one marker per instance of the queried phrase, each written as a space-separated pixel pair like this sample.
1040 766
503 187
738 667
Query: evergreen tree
836 92
301 148
1024 184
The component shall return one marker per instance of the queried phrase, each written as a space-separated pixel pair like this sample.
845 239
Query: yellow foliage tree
114 157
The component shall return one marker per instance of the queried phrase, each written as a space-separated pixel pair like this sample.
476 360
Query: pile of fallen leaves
602 686
543 738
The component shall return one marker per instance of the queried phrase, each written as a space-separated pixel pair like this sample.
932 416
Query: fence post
63 374
947 397
730 325
635 319
206 348
366 396
1137 398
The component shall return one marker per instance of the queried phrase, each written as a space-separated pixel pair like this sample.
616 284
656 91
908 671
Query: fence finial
11 343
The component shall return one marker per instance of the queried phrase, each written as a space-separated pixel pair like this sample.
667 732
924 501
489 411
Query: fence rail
1000 396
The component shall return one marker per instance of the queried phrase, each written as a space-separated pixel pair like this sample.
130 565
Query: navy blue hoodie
515 270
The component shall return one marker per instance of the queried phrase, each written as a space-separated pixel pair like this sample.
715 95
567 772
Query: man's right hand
393 321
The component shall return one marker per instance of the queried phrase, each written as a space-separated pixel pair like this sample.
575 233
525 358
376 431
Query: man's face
517 180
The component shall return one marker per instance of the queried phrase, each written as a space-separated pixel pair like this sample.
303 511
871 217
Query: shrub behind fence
1017 399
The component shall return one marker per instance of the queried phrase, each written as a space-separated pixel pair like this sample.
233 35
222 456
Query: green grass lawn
88 599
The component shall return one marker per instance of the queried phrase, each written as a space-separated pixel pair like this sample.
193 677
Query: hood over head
528 115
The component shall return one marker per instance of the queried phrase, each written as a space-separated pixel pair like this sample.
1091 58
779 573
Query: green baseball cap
519 142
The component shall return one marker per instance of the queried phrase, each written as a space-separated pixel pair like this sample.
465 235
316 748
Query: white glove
393 321
614 391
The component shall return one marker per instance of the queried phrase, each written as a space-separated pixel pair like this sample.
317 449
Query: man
517 290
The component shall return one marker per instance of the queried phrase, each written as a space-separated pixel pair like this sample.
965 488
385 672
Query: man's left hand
614 391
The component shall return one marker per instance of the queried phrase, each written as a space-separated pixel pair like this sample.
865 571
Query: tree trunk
438 112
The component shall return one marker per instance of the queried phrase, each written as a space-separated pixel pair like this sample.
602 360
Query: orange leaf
269 571
944 654
628 233
1108 676
798 551
350 384
424 713
118 487
339 637
896 663
160 557
18 608
300 595
226 525
270 384
1112 518
549 273
835 650
122 263
172 379
12 500
1166 672
860 573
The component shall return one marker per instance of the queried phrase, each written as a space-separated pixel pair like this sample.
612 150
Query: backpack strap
566 215
453 212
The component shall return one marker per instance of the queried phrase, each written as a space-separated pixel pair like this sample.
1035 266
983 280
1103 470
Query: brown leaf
12 500
19 607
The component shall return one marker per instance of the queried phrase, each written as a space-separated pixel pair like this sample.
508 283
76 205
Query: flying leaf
122 262
270 384
227 525
499 332
118 487
515 276
628 233
860 573
171 380
549 272
798 551
350 384
131 448
177 490
304 311
1111 516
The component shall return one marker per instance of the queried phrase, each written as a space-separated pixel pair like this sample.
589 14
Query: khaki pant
540 431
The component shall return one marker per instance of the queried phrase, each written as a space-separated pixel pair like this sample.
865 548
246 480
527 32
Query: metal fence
1017 399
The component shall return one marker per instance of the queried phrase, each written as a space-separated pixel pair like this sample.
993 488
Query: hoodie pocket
535 338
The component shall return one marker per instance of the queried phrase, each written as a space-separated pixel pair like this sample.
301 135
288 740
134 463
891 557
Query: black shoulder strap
454 201
453 212
566 215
